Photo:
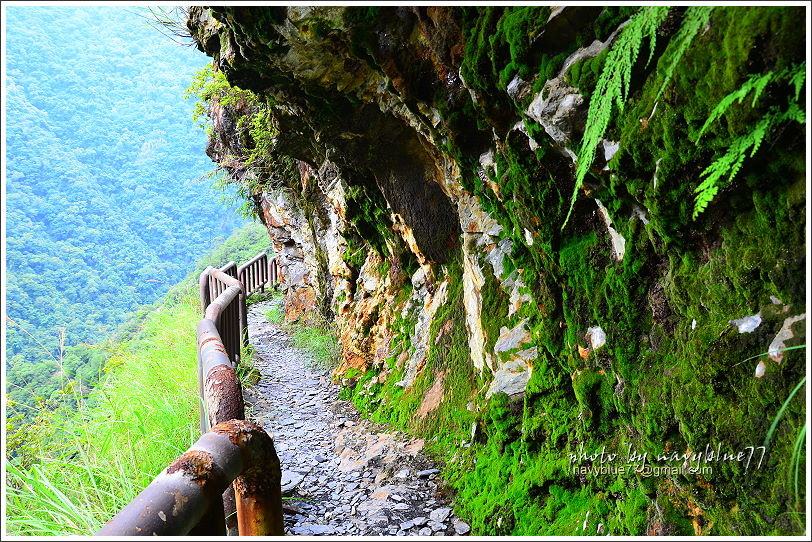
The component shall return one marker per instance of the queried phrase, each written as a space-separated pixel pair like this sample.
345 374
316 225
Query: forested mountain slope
104 209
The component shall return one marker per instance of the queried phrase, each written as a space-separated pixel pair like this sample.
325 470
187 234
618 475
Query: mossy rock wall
536 352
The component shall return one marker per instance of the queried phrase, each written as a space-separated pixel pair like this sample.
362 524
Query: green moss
494 307
584 74
356 253
669 137
366 212
659 383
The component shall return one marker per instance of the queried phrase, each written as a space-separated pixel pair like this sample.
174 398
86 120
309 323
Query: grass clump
275 315
319 339
93 459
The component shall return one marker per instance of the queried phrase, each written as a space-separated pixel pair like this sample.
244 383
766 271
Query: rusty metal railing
231 316
229 481
225 305
185 498
254 274
210 289
273 272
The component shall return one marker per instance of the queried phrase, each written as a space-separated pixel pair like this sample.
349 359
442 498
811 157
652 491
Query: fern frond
797 78
731 162
613 86
756 82
696 17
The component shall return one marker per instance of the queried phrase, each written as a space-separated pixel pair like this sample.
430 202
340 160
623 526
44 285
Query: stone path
343 475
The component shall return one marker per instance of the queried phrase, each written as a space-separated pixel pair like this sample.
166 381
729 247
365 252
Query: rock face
415 166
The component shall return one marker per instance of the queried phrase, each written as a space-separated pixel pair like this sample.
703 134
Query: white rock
472 282
747 324
513 338
637 212
618 242
420 336
784 334
486 159
290 480
656 169
609 150
760 369
515 87
511 377
528 237
440 515
461 528
596 337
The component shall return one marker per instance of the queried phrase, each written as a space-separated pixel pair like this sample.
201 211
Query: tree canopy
108 202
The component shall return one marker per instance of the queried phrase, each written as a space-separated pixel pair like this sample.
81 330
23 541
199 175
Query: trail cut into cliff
564 246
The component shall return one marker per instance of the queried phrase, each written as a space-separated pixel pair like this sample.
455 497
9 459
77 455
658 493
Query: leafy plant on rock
731 161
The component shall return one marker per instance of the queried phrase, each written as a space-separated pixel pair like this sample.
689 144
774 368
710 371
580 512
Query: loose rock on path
342 475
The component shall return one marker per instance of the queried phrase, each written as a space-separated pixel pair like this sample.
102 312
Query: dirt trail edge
342 475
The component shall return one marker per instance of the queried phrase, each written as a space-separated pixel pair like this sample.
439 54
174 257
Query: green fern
730 162
613 86
696 17
756 84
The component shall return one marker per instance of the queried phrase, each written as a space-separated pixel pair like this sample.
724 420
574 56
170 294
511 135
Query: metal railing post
186 496
205 295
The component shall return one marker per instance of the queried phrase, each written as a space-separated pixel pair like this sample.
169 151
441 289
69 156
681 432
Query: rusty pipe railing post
231 332
230 281
205 295
188 491
222 393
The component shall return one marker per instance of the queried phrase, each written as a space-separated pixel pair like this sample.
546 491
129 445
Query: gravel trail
342 475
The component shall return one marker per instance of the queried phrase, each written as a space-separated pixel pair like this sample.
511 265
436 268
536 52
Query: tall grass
97 457
320 342
319 339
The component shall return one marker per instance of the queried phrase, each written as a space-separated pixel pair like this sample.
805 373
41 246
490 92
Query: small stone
461 528
425 531
440 515
395 497
402 474
406 525
321 458
436 526
290 480
310 529
596 337
400 506
420 521
426 473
